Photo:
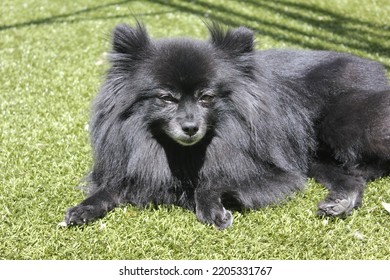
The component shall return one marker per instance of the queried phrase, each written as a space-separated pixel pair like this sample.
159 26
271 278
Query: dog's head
181 80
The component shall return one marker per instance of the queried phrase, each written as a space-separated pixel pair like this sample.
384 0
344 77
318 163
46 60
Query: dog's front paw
335 207
219 217
81 214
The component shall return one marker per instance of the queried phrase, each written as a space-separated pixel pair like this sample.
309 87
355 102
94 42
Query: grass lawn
51 65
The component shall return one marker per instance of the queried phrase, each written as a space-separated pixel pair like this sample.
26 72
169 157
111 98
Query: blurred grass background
51 65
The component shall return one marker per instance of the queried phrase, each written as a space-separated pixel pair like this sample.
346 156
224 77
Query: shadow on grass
327 27
314 27
69 17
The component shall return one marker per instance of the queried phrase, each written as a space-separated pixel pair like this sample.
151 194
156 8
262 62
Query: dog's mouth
185 137
186 140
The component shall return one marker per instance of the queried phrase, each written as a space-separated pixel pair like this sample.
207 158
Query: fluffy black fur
215 125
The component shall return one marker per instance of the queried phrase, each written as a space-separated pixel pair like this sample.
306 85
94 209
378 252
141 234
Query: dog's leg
212 202
209 209
345 185
92 208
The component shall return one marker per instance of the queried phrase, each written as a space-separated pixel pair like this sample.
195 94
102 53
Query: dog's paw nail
63 224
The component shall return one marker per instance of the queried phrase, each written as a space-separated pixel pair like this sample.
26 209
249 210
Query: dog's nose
190 128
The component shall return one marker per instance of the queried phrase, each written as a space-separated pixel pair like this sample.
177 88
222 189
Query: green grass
51 65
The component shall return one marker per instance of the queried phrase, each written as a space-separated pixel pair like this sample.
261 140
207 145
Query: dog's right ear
130 41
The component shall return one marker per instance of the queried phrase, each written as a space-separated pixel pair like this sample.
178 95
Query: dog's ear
234 41
130 41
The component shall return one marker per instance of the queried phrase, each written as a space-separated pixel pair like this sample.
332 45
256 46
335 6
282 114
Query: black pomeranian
214 126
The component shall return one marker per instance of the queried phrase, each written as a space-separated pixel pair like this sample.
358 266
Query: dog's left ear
236 41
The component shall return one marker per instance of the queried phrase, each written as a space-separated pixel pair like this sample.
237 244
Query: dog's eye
206 99
168 98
